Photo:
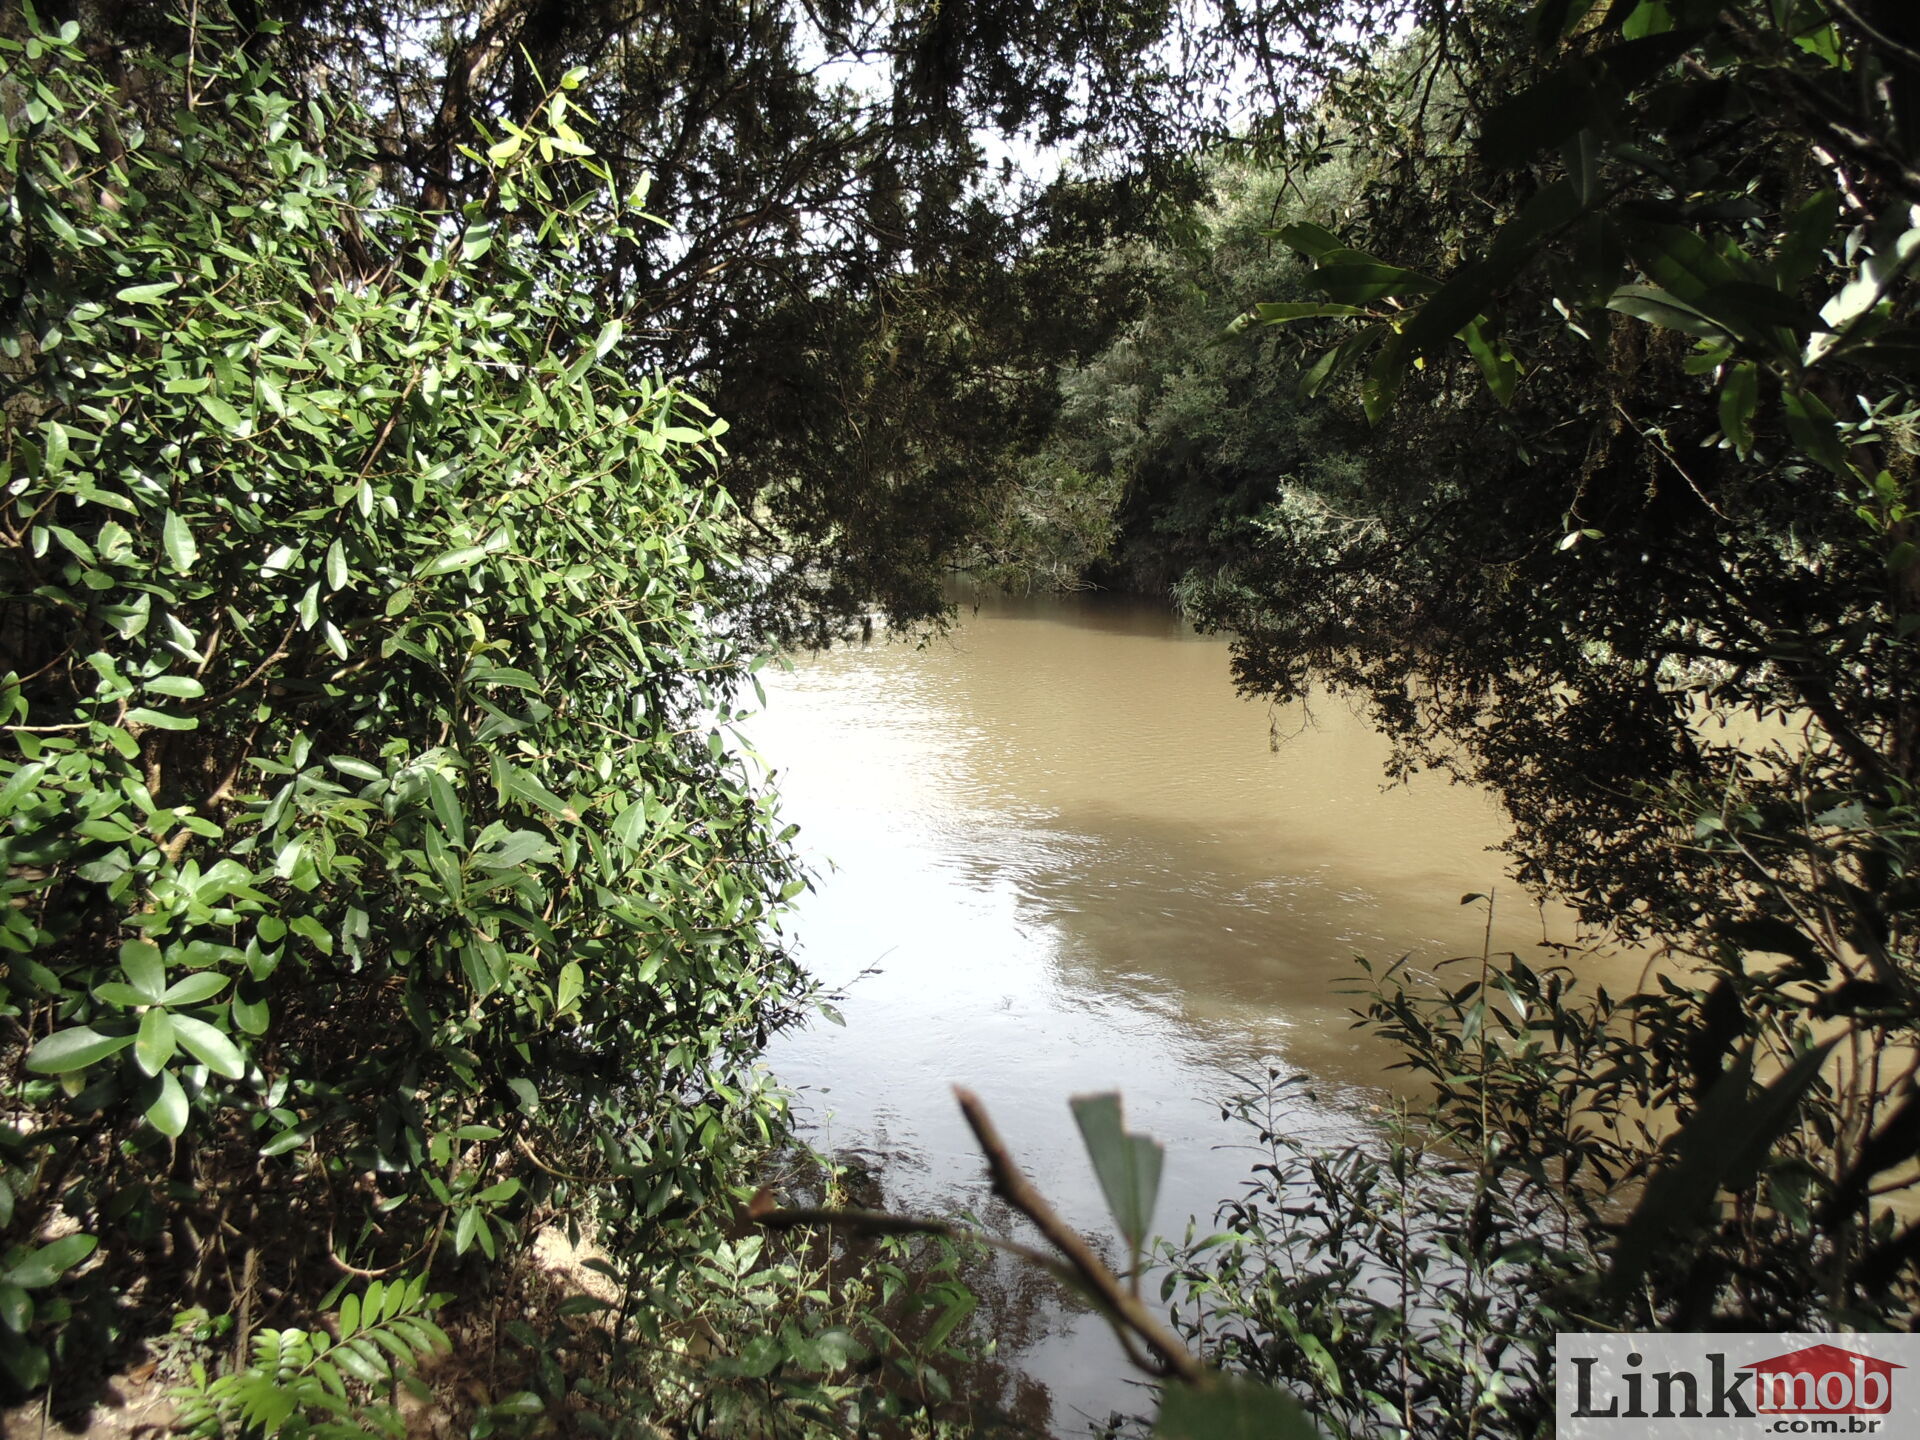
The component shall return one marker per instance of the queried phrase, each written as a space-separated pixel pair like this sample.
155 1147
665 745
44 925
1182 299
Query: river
1056 854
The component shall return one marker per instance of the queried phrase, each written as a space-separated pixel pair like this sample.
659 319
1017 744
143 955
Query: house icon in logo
1823 1380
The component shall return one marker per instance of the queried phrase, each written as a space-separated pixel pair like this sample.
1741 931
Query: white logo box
1736 1386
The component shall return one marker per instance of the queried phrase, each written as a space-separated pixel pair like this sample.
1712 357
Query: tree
1676 520
369 821
830 171
1168 443
1628 300
834 211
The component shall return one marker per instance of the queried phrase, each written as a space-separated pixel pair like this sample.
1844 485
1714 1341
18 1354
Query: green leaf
148 294
1739 396
1382 386
168 1112
447 808
155 1043
44 1266
451 560
516 849
760 1355
1495 364
1812 427
1721 1147
1356 282
178 543
1128 1165
251 1016
65 1051
1279 313
1540 117
477 240
210 1047
1754 310
160 720
141 963
264 1403
26 1364
16 1307
572 982
511 780
1684 262
1658 307
194 989
180 687
1454 309
291 1138
1335 360
631 823
1231 1408
1313 241
224 415
956 1310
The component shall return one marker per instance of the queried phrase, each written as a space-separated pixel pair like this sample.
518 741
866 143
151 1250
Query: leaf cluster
1676 1159
320 1382
370 822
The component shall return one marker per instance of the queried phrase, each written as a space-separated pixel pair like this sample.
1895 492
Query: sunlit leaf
73 1049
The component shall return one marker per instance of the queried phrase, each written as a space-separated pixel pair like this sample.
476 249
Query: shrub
1705 1155
379 877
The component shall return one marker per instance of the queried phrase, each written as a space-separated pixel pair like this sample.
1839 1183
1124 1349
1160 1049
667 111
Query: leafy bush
1697 1157
783 1333
307 1382
378 874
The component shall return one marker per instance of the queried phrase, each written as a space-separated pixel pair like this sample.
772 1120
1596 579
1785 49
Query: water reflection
1058 854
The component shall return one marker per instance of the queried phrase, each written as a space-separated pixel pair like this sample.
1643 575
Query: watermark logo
1721 1386
1823 1380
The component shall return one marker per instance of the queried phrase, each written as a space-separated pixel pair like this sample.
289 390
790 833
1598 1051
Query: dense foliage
1625 293
858 276
1168 446
381 877
374 611
876 309
1412 1281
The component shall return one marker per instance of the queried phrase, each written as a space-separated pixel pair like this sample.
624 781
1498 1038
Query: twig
1875 34
1011 1185
1655 438
525 1149
1081 1270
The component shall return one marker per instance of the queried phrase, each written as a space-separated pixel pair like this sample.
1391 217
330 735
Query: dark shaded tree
837 184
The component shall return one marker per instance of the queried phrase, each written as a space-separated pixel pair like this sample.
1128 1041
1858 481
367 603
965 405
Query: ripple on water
1073 861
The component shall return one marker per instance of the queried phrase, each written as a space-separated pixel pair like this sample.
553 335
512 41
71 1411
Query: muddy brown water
1057 854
